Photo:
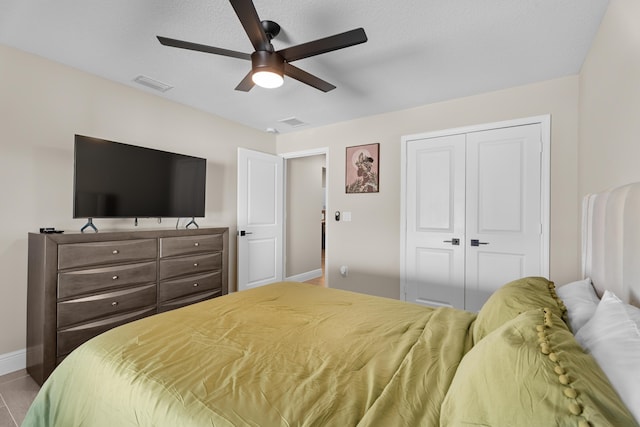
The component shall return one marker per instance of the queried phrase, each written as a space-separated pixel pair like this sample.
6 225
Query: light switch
346 216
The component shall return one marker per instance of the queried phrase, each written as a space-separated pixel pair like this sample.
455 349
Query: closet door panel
499 186
503 215
435 219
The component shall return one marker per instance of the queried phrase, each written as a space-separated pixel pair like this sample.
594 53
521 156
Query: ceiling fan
268 66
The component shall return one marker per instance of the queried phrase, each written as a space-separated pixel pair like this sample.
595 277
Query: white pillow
581 301
634 313
613 339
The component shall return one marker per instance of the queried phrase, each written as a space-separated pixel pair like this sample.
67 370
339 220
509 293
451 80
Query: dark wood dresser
80 285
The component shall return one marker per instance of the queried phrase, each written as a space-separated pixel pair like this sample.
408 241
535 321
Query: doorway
305 205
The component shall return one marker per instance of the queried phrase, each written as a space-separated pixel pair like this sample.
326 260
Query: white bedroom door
473 213
260 218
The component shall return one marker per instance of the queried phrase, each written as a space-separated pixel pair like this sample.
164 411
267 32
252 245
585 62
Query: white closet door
435 204
487 187
503 212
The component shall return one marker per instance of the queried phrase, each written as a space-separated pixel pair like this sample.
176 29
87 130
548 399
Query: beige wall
610 102
42 105
370 244
304 208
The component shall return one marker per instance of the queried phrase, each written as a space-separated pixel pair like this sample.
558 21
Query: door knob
476 242
454 242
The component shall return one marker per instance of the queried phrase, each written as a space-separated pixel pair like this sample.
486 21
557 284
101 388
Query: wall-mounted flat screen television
116 180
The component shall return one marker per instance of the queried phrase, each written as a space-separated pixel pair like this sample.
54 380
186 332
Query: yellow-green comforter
287 354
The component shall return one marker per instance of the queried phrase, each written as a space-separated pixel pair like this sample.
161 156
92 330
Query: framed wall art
362 169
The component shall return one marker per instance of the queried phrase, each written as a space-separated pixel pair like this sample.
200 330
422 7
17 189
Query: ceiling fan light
267 79
268 69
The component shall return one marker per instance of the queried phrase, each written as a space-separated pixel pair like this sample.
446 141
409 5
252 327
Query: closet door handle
454 242
476 242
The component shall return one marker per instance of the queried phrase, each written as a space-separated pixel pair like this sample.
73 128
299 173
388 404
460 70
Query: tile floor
17 391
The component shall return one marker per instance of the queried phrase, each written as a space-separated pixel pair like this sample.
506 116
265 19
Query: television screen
115 180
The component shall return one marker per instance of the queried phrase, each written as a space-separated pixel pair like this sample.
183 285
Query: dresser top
102 236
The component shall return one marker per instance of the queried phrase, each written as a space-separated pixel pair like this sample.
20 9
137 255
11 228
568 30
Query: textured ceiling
419 51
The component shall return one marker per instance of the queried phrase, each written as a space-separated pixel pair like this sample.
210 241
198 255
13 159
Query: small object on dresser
49 230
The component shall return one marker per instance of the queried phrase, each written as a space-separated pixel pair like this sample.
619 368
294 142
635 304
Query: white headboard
611 241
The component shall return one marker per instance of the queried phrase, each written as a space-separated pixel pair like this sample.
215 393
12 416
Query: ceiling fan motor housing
262 60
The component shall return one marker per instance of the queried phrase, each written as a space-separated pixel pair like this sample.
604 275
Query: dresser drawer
107 304
172 246
190 285
182 302
72 283
174 267
84 254
70 338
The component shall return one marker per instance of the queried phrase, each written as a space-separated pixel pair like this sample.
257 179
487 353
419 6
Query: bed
293 354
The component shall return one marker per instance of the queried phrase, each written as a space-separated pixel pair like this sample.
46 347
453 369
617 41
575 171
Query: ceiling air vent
293 122
152 83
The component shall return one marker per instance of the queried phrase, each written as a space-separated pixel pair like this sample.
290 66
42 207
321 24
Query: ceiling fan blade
249 19
246 84
203 48
306 78
327 44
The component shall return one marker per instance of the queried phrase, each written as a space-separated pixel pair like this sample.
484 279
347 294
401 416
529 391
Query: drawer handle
113 304
115 277
195 264
195 285
115 252
196 244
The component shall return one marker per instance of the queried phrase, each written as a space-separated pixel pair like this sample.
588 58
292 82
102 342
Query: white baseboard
303 277
14 361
